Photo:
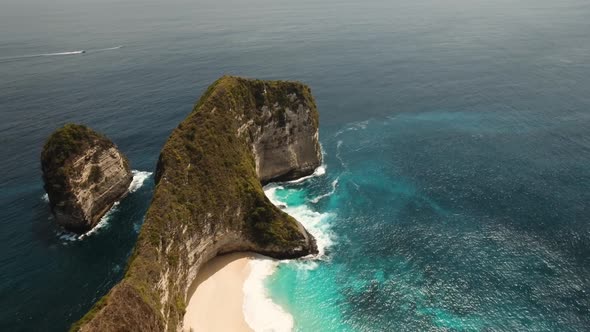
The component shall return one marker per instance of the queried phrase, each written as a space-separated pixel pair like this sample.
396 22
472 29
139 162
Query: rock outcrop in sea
84 175
209 200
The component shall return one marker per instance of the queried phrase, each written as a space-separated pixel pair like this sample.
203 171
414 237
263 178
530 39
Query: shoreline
228 293
217 300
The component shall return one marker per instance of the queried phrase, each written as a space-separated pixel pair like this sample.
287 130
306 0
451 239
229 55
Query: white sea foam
330 193
318 172
362 125
260 312
45 198
139 178
316 223
338 154
103 223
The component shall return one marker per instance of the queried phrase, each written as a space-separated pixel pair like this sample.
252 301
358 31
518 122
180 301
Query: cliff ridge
209 199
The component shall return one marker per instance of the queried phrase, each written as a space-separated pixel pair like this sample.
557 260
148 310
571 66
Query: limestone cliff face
84 176
209 199
286 146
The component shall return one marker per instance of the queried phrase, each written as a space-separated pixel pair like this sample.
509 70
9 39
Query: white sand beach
217 302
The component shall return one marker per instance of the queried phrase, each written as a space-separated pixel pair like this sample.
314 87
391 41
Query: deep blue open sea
456 136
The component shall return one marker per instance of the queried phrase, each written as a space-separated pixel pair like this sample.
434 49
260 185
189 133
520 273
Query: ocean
456 138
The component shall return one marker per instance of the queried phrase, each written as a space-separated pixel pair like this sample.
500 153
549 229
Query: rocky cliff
84 175
285 142
209 200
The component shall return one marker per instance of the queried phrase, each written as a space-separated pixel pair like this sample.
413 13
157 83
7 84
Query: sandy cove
216 304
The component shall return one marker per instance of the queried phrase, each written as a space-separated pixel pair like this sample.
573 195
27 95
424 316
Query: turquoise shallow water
456 139
458 243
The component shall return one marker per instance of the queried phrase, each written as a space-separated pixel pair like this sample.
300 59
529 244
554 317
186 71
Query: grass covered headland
209 200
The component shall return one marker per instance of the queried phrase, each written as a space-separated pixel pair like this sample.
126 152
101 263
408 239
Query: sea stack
84 175
209 199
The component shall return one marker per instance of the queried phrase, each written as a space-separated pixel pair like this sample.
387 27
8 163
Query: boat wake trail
60 53
105 49
23 57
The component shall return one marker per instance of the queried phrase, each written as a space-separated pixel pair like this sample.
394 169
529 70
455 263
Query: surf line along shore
228 294
217 299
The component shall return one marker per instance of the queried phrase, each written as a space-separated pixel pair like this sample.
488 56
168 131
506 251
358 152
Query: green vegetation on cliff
70 140
60 149
205 151
208 200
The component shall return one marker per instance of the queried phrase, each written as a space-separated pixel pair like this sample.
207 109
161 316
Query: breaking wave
260 312
103 223
139 178
315 222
